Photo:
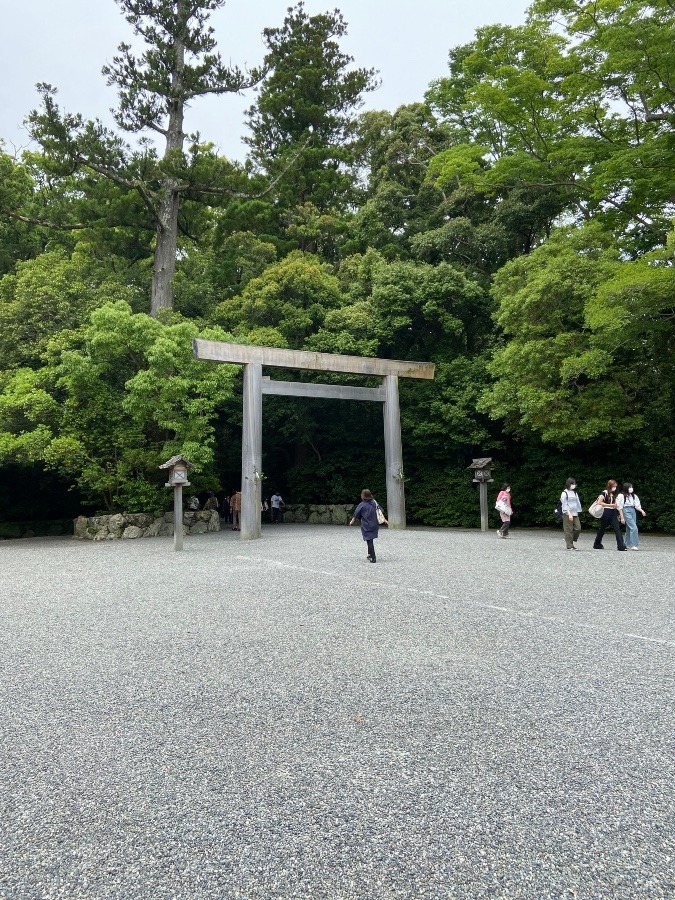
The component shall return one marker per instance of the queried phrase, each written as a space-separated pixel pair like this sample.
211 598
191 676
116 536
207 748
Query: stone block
117 524
131 532
141 520
198 528
213 524
102 534
153 530
80 527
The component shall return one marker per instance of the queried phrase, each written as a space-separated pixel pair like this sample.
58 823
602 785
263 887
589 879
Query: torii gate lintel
253 358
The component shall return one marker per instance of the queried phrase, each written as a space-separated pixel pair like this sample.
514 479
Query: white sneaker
634 548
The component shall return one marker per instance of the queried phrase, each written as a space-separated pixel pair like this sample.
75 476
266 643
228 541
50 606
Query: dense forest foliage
514 226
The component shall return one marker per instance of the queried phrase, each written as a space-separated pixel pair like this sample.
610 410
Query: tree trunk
164 265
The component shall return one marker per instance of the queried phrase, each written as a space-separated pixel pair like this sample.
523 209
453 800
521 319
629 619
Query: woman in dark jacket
610 517
366 513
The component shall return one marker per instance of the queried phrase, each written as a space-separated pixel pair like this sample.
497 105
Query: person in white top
277 505
570 505
628 505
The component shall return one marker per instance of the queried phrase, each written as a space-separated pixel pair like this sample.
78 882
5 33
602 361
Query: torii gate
254 358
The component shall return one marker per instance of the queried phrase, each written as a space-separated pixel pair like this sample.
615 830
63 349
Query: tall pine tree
306 109
177 66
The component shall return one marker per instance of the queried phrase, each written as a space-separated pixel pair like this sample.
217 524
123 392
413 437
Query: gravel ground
468 718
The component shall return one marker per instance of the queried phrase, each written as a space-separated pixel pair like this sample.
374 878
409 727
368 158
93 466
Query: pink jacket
506 497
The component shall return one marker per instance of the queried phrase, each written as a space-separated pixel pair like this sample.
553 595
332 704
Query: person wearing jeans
628 505
571 507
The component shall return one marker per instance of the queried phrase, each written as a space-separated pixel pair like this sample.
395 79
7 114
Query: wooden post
178 517
393 454
251 453
483 506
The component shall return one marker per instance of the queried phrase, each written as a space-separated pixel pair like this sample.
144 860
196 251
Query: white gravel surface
470 717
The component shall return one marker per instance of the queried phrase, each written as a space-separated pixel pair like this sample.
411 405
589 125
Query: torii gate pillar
393 453
251 453
253 358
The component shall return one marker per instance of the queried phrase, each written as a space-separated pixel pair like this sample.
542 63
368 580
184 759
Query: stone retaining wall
318 514
137 525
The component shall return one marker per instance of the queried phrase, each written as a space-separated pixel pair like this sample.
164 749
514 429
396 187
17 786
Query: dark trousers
371 550
610 519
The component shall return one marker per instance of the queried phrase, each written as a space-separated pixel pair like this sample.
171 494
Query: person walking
225 510
571 507
235 509
277 504
610 517
212 501
505 508
628 504
366 514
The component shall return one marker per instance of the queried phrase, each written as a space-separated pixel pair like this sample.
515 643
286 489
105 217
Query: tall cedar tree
155 89
306 107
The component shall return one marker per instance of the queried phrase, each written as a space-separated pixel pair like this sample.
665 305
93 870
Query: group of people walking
230 508
614 508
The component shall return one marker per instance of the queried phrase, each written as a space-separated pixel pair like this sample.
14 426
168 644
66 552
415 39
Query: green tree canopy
305 110
115 398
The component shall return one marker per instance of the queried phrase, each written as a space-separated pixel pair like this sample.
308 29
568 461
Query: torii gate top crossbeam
219 351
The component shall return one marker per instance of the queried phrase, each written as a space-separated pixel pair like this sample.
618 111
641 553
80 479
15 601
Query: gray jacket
570 503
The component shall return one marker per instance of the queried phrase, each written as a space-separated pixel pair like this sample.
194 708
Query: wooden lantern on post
482 474
178 479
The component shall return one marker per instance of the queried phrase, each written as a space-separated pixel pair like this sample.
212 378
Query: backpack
557 512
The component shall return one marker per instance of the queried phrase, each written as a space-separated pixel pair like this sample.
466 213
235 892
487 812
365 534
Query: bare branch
29 220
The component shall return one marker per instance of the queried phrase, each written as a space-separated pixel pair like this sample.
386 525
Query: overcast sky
65 43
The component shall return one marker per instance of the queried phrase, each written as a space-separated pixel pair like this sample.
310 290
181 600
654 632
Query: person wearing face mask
628 504
505 509
571 507
610 517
